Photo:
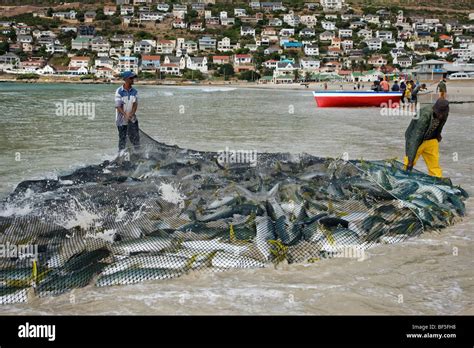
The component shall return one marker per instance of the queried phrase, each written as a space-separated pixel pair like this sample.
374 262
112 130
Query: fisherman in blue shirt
126 103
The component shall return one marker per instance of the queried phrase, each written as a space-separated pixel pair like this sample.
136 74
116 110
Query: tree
143 35
49 13
297 75
249 75
191 16
80 17
100 16
193 75
4 46
116 21
226 70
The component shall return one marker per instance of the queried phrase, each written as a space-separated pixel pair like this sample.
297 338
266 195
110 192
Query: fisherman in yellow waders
423 135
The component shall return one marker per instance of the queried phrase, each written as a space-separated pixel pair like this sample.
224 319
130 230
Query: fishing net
158 212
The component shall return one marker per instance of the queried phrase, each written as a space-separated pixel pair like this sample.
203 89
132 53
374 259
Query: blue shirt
125 99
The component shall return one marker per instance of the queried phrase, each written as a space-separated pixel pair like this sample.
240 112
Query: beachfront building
243 62
128 64
309 64
180 61
79 62
197 63
150 63
32 64
170 69
429 70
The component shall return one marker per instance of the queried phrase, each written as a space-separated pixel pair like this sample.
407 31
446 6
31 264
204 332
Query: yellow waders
429 149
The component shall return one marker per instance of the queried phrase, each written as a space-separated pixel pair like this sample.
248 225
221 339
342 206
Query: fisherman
126 103
396 86
423 135
442 88
414 93
376 86
403 88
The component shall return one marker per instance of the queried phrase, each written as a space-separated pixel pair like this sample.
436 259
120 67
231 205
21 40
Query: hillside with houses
269 42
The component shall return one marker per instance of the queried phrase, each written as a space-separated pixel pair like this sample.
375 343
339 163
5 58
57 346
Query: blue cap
127 74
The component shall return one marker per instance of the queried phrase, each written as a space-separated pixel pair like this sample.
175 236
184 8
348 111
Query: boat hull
357 99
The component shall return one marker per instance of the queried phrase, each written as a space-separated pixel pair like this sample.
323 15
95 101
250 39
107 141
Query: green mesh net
158 212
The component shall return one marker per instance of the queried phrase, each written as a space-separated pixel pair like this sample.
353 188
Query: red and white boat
357 99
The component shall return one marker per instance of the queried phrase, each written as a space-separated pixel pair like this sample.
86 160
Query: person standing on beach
126 104
384 85
442 88
403 88
395 87
423 136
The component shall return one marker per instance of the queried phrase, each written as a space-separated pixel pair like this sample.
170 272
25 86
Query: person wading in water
423 135
126 103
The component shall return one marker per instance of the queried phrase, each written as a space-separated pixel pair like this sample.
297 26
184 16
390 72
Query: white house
128 64
127 10
247 31
384 35
309 64
332 5
179 24
144 46
327 25
165 46
197 63
404 62
275 22
225 45
345 33
327 36
240 12
9 61
311 50
365 34
79 61
170 69
374 44
309 20
287 32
